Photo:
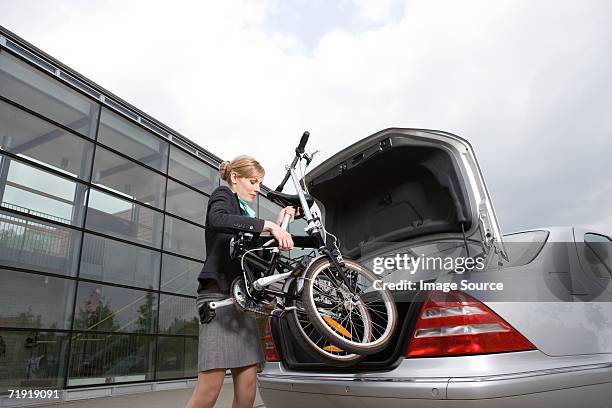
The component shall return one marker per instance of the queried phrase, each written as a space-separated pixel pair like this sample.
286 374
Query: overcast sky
526 82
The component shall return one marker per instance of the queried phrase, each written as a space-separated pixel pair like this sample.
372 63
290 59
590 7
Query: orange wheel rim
332 349
337 327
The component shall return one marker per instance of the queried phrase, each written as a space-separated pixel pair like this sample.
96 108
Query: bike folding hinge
278 313
261 283
300 267
313 226
336 258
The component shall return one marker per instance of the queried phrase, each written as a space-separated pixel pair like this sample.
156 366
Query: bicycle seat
284 200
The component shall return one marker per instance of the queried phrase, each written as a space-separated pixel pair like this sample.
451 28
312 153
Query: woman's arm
287 210
285 242
219 217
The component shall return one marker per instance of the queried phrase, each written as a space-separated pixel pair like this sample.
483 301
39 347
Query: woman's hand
287 210
285 242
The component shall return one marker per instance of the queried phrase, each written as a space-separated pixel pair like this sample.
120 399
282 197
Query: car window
599 254
523 247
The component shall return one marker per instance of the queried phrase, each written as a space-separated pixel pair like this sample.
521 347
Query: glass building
101 232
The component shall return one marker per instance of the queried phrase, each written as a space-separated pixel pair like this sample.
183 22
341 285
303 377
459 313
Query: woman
231 340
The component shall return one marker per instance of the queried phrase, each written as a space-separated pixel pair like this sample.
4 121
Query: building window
35 301
267 210
37 192
31 244
177 315
186 203
184 238
117 217
27 136
192 171
114 309
39 92
177 357
128 178
110 358
179 275
107 260
130 139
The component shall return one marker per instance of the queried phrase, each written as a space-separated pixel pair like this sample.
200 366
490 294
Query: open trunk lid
401 184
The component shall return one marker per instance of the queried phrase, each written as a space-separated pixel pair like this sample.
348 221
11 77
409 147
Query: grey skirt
231 339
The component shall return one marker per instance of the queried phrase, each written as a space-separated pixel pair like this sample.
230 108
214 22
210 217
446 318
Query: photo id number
33 394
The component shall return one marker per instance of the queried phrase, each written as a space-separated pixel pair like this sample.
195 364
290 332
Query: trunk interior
392 194
297 358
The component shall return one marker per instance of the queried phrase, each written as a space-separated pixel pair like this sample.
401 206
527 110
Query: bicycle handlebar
298 151
303 141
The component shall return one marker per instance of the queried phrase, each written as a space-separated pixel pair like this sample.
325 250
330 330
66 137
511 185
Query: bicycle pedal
206 314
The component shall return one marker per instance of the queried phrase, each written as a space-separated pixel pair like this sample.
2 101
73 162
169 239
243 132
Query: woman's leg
245 386
207 389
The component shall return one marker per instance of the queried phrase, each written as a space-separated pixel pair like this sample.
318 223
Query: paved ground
157 399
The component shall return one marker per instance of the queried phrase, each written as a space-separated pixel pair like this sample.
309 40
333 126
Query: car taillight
269 347
454 323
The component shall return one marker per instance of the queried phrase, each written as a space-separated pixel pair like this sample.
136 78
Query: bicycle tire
342 325
309 339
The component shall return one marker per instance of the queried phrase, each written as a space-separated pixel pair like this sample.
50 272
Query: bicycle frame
314 229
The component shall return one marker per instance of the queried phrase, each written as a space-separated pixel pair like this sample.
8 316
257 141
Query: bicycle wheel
348 312
309 338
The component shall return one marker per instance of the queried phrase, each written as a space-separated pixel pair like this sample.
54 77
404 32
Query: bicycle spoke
322 292
335 307
353 326
379 325
383 314
374 301
332 278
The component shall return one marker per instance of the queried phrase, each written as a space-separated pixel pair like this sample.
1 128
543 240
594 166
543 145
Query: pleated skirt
231 339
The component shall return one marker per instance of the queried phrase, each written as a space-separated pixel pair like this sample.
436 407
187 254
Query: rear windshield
523 247
599 254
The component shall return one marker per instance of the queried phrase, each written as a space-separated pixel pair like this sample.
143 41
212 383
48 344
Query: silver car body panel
568 314
430 380
584 397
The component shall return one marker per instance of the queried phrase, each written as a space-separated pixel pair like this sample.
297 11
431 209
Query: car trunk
398 185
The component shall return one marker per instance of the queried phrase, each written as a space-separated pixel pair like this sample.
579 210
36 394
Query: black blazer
224 219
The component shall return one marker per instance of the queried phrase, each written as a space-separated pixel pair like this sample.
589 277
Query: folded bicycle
328 300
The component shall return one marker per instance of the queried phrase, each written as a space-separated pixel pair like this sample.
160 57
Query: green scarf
245 207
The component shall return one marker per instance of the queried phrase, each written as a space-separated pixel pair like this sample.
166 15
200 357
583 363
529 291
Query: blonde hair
243 166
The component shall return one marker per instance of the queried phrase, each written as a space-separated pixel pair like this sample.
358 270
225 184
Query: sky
526 82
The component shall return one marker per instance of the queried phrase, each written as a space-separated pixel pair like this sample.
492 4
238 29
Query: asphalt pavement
154 399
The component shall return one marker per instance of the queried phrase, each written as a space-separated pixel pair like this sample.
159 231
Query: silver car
541 339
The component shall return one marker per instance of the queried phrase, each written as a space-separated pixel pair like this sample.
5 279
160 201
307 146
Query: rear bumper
571 386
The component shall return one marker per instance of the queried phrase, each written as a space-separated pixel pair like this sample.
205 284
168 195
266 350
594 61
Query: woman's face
246 187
